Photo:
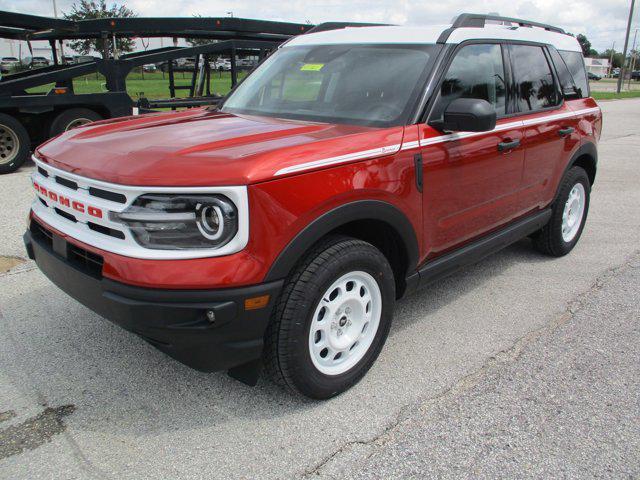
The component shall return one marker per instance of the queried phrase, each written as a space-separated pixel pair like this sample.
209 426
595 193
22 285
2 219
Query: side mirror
469 115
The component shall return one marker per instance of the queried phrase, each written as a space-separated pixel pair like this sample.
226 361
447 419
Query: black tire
550 240
15 145
66 119
287 358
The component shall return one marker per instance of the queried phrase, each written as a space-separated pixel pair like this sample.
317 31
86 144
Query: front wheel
569 214
332 319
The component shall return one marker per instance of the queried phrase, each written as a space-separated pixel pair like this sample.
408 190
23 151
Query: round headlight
210 221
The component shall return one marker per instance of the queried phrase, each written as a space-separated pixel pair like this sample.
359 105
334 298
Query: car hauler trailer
30 118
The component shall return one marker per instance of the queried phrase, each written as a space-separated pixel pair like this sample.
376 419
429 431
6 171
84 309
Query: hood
200 147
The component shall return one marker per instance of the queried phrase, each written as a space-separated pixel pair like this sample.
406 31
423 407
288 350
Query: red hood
200 147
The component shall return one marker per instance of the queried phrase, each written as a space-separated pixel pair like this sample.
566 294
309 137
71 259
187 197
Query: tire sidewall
24 143
305 375
60 122
574 176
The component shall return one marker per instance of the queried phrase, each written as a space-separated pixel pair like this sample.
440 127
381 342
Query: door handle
563 132
509 145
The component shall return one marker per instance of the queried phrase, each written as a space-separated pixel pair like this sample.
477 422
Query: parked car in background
635 75
7 64
67 59
36 62
594 76
83 58
150 67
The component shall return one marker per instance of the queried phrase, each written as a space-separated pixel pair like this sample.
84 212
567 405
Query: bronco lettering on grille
68 202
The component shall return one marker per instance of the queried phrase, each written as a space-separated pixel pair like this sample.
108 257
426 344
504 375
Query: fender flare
589 149
342 215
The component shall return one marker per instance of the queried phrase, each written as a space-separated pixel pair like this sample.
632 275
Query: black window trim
512 110
554 75
427 111
584 67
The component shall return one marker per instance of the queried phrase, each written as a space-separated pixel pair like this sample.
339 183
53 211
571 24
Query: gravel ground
81 398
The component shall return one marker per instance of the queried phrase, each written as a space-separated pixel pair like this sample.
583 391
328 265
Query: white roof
430 34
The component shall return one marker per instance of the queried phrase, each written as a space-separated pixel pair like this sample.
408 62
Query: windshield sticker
311 67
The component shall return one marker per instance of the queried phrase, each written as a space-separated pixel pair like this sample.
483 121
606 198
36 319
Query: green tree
92 9
585 44
617 57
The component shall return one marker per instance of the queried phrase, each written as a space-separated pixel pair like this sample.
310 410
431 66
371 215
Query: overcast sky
603 21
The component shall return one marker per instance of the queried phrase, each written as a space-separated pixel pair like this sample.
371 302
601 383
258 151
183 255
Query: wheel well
588 163
386 239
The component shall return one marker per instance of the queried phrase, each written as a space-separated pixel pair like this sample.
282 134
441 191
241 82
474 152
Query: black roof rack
480 20
323 27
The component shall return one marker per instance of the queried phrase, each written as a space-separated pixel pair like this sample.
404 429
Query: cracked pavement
521 366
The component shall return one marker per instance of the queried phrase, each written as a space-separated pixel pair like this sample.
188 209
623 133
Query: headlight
175 221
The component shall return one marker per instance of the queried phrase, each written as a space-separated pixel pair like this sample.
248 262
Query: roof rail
323 27
480 20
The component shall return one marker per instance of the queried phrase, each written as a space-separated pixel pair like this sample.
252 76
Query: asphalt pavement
519 366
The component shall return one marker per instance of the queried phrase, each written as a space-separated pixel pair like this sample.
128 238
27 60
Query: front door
471 179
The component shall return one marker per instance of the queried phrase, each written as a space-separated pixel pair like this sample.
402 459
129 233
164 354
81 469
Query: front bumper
174 321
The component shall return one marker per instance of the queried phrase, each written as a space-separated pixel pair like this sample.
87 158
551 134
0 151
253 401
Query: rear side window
569 88
575 64
477 71
535 86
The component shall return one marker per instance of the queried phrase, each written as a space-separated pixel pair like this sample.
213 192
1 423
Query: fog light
211 316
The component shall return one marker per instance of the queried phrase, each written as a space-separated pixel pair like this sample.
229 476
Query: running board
476 251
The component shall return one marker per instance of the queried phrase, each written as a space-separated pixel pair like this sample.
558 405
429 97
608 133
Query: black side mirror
469 115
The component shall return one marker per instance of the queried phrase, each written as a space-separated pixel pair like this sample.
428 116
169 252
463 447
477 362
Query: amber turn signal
255 303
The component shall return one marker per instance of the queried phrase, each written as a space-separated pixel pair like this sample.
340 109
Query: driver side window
477 71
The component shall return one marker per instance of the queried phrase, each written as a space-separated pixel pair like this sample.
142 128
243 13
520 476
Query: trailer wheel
14 144
72 118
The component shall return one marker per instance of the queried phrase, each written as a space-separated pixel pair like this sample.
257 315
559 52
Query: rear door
471 179
550 125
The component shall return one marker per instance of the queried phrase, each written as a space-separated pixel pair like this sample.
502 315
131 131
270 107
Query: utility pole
613 51
633 58
626 44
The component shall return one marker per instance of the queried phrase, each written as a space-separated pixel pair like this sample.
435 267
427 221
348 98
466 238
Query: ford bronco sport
276 231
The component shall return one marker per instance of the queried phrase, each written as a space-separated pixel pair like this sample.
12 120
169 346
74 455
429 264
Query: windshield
373 85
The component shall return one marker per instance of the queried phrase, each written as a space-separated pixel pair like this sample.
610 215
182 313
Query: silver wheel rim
573 212
345 323
9 144
77 123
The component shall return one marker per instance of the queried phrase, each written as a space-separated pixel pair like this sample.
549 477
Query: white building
599 66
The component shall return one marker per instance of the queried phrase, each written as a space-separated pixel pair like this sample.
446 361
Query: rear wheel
569 214
14 144
332 319
72 118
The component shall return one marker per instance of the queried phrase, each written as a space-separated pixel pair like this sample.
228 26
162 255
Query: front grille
66 215
67 183
85 260
106 230
42 234
107 195
43 172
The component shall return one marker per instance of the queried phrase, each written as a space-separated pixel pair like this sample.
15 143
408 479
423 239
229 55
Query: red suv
276 231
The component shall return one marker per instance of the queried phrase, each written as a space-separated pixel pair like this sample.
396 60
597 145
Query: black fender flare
342 215
588 149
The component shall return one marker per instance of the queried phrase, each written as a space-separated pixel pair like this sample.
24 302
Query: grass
614 95
150 85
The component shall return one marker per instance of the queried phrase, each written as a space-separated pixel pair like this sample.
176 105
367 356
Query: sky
603 21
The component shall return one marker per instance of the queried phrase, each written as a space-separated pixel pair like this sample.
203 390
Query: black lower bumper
175 321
